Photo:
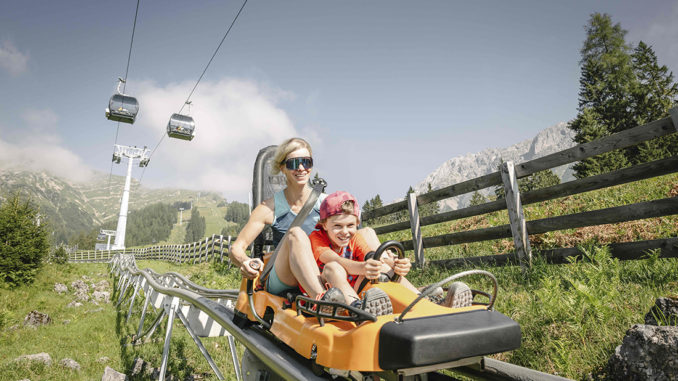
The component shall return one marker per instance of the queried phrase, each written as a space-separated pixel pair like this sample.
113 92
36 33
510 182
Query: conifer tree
477 199
654 95
23 241
605 92
430 208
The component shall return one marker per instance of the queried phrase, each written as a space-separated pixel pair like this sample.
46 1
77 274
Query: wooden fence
519 228
213 248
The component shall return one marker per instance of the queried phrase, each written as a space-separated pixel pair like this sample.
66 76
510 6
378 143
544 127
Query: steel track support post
521 240
134 296
126 282
155 324
170 309
231 345
234 357
197 341
143 311
415 227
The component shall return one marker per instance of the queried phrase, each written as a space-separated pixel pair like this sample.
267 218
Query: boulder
111 374
74 304
647 352
60 288
81 290
101 296
101 285
664 312
35 318
70 364
43 357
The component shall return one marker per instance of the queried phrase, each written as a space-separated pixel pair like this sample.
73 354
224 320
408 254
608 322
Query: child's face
340 228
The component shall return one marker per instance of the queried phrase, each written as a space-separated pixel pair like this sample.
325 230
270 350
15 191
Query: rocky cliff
553 139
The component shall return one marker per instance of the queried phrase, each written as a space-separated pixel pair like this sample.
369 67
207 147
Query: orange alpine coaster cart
418 337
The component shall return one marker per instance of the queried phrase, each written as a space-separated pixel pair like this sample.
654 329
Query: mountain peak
461 168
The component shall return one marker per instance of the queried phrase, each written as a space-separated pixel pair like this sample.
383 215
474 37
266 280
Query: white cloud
234 119
38 148
11 59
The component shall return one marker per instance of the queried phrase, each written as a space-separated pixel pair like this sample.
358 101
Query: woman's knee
297 235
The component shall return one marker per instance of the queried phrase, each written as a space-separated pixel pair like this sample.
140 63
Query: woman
294 264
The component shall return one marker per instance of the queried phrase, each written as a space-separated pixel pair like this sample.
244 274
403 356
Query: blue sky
385 91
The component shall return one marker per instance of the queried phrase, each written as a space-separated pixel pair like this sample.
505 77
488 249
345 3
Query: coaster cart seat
344 341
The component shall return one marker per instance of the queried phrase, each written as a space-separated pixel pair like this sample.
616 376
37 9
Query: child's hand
389 258
372 268
402 266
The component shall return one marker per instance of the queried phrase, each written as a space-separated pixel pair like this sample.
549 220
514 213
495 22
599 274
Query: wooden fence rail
214 248
518 227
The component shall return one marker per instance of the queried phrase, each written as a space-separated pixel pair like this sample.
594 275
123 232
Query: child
340 253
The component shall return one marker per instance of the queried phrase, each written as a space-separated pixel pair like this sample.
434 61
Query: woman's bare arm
261 216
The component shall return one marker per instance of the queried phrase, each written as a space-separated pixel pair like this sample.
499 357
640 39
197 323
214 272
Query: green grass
97 331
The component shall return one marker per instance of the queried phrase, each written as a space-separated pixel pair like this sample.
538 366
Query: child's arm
370 268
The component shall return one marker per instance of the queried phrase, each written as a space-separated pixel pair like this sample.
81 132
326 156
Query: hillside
73 207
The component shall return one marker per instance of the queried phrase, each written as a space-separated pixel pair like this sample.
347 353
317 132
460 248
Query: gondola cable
188 99
124 81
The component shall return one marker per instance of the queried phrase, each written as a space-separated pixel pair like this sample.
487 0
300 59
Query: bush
60 256
24 241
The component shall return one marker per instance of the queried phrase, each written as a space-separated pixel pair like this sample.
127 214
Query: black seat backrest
264 185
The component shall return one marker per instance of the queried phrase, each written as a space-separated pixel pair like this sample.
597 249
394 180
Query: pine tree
23 241
654 95
477 199
605 92
195 229
430 208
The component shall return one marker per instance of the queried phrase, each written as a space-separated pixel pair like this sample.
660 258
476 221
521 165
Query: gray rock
67 321
111 374
101 296
70 364
647 352
74 304
81 290
42 357
35 318
138 366
102 285
60 288
86 278
103 360
664 312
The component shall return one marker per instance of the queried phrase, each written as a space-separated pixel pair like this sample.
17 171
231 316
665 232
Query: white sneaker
458 295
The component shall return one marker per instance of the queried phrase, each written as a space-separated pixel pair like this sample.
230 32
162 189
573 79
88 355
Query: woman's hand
371 268
251 267
402 266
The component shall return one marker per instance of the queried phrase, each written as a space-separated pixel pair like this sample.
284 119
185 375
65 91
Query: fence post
515 212
415 226
221 248
674 116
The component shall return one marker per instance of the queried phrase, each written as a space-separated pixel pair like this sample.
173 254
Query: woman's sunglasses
293 163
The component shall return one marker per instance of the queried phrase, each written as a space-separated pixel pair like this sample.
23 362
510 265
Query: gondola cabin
117 158
181 127
144 162
122 108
